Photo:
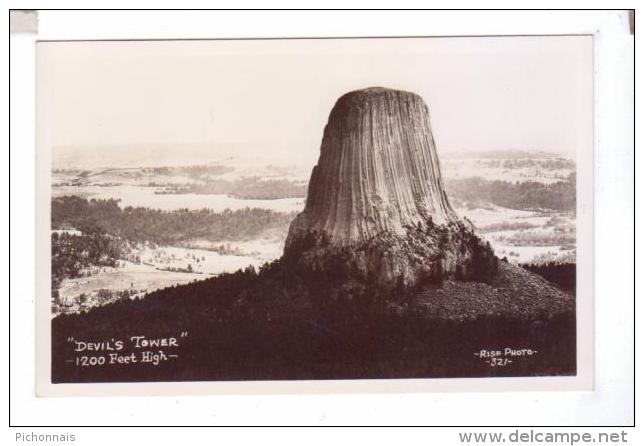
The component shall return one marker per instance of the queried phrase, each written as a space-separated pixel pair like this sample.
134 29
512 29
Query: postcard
390 214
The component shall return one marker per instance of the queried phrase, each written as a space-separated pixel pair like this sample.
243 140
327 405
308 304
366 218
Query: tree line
529 195
139 224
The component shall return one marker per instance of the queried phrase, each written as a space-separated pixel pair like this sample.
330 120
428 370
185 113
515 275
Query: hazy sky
272 98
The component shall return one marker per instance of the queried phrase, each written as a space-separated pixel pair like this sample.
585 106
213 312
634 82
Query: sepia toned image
313 209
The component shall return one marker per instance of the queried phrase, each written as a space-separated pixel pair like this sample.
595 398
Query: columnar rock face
376 200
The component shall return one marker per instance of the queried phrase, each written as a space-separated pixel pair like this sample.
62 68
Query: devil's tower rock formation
376 203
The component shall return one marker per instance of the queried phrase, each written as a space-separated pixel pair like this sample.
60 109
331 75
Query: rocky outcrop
376 204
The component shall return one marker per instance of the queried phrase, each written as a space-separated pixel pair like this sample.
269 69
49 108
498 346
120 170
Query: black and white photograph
314 209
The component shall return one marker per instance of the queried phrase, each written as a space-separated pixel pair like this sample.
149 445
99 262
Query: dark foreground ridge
290 323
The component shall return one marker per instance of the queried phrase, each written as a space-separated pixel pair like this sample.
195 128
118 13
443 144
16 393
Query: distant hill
500 154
